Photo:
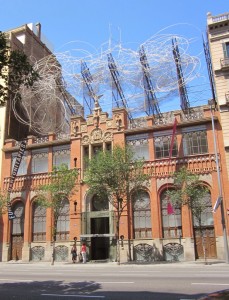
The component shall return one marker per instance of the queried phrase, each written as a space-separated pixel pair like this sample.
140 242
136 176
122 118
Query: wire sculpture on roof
142 80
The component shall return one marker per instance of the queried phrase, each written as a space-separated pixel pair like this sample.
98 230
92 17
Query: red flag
173 138
170 209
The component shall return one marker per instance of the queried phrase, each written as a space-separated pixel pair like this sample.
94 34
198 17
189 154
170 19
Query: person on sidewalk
84 253
74 253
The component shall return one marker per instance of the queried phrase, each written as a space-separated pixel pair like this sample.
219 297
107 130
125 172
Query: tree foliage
53 195
189 191
114 174
15 70
3 202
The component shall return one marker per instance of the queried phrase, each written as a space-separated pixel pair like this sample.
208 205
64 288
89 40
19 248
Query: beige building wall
218 35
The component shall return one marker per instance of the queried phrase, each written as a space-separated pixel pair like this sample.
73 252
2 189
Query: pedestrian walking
84 253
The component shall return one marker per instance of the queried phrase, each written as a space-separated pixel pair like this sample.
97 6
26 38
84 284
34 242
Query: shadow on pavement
50 290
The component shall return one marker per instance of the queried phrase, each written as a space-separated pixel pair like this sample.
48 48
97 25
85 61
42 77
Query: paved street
111 281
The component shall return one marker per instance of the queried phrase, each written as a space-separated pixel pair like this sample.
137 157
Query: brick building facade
150 232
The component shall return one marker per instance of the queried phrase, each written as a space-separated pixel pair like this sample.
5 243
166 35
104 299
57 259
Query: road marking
208 283
115 282
76 296
16 280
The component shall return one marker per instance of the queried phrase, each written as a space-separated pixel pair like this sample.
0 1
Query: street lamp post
226 252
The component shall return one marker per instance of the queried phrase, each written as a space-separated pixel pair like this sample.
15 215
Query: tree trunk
117 241
54 241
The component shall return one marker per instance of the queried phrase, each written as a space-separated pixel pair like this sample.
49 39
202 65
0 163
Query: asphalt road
180 281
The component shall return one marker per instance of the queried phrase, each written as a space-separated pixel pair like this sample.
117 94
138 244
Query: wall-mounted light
75 205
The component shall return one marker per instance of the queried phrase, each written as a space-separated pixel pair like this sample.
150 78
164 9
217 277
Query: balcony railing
198 164
220 18
29 182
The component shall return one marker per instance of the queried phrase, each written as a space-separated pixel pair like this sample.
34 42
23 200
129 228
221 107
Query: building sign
20 154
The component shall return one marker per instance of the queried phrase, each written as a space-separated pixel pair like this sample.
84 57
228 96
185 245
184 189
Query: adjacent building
218 40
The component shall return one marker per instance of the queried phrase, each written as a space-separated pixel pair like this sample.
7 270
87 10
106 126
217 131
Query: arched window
99 203
204 216
63 222
18 222
17 237
171 218
39 222
142 215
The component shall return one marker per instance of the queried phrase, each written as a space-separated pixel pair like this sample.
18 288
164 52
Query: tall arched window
171 218
18 222
141 215
205 216
39 222
17 237
63 222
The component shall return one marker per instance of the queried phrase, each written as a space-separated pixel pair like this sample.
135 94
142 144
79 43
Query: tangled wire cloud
60 77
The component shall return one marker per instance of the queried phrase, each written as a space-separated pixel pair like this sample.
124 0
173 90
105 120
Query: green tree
113 175
15 70
189 191
3 202
53 195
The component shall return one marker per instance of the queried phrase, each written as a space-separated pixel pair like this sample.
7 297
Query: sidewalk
109 263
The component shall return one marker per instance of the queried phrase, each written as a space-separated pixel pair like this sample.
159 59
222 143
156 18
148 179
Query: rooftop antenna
184 101
117 92
151 103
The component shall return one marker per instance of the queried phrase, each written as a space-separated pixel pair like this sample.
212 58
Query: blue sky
91 20
94 22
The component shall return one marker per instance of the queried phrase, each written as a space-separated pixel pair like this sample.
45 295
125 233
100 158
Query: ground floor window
141 215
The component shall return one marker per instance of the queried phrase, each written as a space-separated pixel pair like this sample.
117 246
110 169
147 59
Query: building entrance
100 243
17 244
209 243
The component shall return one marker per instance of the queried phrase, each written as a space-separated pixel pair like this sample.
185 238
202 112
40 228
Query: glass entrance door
99 244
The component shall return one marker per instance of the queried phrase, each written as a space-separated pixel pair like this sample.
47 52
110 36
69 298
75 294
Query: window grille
162 146
39 222
37 253
40 161
140 146
195 143
142 215
61 155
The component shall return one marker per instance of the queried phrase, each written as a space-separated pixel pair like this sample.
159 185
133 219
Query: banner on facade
20 154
